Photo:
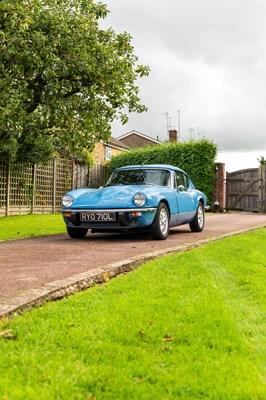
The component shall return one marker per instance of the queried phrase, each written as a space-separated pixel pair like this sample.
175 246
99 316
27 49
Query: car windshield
158 177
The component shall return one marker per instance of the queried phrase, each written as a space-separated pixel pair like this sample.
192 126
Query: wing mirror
181 188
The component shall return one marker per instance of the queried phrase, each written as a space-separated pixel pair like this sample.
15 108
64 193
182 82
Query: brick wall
173 135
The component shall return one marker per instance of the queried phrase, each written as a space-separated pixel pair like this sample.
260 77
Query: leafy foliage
63 79
262 161
197 158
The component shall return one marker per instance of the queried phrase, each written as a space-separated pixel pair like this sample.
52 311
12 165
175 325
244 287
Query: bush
196 158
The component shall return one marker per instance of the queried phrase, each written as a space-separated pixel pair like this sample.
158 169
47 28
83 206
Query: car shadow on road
141 236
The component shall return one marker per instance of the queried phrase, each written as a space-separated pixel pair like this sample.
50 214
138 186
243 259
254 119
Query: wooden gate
245 190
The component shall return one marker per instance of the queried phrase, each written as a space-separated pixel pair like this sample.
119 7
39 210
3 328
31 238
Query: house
104 151
137 139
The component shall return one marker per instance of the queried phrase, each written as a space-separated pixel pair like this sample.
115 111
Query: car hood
111 196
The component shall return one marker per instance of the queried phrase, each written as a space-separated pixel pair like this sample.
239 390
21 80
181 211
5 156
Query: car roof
150 166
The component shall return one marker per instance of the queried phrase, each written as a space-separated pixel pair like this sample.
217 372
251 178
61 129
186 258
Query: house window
108 153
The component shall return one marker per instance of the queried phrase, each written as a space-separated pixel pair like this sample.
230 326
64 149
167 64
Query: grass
31 225
188 326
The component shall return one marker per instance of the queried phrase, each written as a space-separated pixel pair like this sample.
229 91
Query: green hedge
196 158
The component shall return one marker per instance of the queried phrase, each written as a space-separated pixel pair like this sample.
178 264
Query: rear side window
181 179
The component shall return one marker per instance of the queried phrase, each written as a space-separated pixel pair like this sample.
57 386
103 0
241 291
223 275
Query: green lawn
31 225
188 326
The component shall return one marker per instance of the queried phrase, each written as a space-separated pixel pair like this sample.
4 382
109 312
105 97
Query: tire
77 233
197 224
159 229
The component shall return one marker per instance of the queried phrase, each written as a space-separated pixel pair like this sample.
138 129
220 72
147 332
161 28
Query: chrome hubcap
163 221
200 217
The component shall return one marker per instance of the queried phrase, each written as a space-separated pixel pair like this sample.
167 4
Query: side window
185 181
180 179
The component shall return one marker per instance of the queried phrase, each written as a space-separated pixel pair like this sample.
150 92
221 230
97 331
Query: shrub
197 158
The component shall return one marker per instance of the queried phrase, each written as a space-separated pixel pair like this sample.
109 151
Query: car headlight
67 201
139 199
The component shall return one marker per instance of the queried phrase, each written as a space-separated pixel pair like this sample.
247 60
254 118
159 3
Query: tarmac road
33 269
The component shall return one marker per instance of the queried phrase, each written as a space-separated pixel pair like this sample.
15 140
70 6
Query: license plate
97 216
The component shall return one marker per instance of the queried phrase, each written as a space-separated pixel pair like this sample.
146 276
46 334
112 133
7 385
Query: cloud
208 59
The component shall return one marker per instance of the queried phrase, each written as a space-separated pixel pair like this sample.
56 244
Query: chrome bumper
78 210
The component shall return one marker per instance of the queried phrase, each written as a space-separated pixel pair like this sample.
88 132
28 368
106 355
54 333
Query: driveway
34 270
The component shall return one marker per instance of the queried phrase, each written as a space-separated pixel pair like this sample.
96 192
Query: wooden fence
31 188
246 190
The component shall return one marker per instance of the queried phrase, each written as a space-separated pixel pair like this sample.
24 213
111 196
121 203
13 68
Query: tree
63 78
262 161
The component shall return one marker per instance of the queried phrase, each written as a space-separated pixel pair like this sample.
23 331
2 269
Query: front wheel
76 233
159 229
197 224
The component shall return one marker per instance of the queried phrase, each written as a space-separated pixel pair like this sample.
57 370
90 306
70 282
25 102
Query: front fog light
139 199
67 201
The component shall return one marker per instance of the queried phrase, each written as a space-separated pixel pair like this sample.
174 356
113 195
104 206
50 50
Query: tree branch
37 85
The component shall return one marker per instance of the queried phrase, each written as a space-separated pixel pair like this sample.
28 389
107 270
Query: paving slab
49 267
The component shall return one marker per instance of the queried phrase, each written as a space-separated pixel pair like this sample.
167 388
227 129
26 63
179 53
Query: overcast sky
208 60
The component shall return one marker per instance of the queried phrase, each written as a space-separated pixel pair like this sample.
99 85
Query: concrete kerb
58 289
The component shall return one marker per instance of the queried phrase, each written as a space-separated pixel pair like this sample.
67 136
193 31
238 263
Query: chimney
173 135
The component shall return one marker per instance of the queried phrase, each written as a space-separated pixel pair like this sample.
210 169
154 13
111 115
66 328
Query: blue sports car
153 197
